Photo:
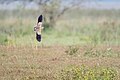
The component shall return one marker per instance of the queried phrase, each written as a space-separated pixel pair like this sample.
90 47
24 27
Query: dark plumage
40 18
38 37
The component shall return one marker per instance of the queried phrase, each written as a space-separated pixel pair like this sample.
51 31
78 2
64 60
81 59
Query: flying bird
38 28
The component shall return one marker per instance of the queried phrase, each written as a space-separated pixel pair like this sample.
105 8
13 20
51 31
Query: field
26 63
83 47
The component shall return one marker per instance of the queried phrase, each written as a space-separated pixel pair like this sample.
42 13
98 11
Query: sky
104 4
98 4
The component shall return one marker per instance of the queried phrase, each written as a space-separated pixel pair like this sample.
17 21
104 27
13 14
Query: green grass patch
85 28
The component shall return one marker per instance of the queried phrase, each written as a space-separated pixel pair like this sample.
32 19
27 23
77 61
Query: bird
38 28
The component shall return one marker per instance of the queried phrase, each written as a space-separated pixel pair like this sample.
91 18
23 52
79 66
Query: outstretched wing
40 18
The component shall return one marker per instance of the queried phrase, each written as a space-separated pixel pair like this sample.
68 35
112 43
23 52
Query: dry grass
43 63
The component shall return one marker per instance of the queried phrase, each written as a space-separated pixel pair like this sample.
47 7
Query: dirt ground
43 63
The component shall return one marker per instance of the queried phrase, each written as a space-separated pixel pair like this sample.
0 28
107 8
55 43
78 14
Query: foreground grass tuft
72 50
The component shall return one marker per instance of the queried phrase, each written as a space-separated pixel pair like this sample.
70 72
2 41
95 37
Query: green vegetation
72 50
85 73
83 28
89 37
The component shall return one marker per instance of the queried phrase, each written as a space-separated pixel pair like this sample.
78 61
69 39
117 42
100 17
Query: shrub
72 50
84 73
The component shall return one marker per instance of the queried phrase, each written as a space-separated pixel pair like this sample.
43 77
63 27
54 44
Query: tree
52 10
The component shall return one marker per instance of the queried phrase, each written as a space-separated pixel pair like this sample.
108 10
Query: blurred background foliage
65 22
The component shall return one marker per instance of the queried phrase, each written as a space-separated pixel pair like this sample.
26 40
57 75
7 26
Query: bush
72 50
84 73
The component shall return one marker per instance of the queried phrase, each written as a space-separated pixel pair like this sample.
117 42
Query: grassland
85 27
85 46
46 63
